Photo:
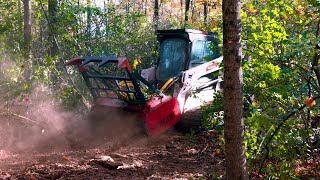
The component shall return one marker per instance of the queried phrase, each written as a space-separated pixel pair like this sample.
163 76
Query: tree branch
278 128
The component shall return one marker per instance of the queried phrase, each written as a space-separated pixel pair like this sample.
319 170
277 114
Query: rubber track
190 120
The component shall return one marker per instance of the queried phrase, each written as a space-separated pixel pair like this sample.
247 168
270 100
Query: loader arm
195 79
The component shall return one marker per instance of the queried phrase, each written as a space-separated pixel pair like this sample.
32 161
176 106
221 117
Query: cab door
173 53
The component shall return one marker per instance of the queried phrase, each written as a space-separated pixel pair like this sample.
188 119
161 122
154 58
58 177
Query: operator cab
183 49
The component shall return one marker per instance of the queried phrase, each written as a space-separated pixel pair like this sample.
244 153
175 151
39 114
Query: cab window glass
172 58
201 50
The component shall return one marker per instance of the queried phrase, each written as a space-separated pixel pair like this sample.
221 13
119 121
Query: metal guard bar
92 73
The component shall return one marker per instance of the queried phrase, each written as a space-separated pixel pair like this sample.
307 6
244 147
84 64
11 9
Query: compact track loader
171 93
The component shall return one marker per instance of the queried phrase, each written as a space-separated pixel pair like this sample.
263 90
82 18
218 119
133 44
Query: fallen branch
21 117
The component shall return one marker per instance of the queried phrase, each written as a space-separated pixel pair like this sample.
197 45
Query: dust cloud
32 121
36 123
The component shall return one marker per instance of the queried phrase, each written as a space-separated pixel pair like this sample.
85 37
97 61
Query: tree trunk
145 7
233 92
181 11
205 13
52 8
88 29
127 7
193 4
20 25
27 36
106 8
156 14
186 15
53 50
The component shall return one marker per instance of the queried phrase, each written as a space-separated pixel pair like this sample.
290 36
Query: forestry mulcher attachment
167 94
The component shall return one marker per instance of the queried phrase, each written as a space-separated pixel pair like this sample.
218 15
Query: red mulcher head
161 112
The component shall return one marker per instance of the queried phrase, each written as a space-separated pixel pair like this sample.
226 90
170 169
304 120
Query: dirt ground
126 153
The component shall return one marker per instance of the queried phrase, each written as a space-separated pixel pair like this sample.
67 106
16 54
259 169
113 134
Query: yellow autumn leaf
252 10
136 62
